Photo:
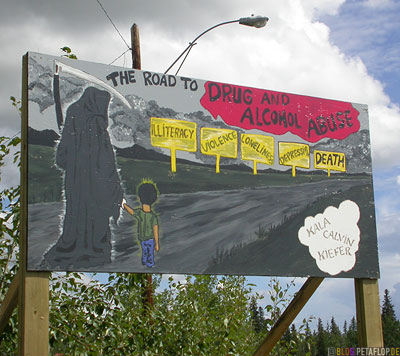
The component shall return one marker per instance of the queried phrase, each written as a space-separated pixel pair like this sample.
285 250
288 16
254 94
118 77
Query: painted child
147 221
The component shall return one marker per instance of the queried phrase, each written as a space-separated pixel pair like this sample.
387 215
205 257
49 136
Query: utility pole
147 280
135 47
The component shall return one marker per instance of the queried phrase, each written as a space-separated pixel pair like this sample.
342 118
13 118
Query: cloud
387 206
373 38
396 299
378 3
390 271
385 130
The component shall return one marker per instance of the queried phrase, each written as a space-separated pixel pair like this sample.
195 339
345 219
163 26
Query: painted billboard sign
135 171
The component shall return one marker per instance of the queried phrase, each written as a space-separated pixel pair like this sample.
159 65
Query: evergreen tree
351 337
321 339
335 337
387 306
334 329
390 323
257 315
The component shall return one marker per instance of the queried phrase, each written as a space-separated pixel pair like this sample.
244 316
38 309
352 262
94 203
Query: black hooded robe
92 186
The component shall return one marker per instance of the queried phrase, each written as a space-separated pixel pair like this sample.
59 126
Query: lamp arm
192 43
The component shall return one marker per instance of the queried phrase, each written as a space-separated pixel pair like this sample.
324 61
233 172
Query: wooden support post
33 311
33 289
9 303
369 320
290 313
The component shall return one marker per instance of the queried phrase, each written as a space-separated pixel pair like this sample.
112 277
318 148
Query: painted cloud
333 237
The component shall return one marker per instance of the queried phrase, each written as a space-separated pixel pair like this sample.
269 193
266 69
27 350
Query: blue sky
337 49
371 32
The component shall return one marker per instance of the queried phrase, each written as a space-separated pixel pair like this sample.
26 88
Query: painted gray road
194 226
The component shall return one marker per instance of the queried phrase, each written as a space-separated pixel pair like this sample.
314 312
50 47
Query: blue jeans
148 252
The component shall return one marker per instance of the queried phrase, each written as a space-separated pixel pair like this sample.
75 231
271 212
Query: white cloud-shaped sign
333 237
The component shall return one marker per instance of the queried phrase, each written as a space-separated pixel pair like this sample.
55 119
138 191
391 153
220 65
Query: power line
120 56
129 48
184 59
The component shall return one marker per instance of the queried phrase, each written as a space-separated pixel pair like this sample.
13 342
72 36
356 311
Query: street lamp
252 21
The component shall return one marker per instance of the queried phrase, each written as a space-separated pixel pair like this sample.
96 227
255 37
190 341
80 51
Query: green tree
9 240
257 315
321 339
201 315
335 337
68 53
334 329
308 342
390 323
351 337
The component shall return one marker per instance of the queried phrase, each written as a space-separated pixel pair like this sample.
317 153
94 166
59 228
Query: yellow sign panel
173 134
170 133
295 155
219 142
257 148
335 161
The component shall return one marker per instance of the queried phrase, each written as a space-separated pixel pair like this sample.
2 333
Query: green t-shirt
145 224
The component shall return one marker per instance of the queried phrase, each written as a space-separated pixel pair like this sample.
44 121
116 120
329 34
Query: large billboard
135 171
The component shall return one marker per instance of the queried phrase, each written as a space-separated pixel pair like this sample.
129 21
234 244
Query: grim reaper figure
92 188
